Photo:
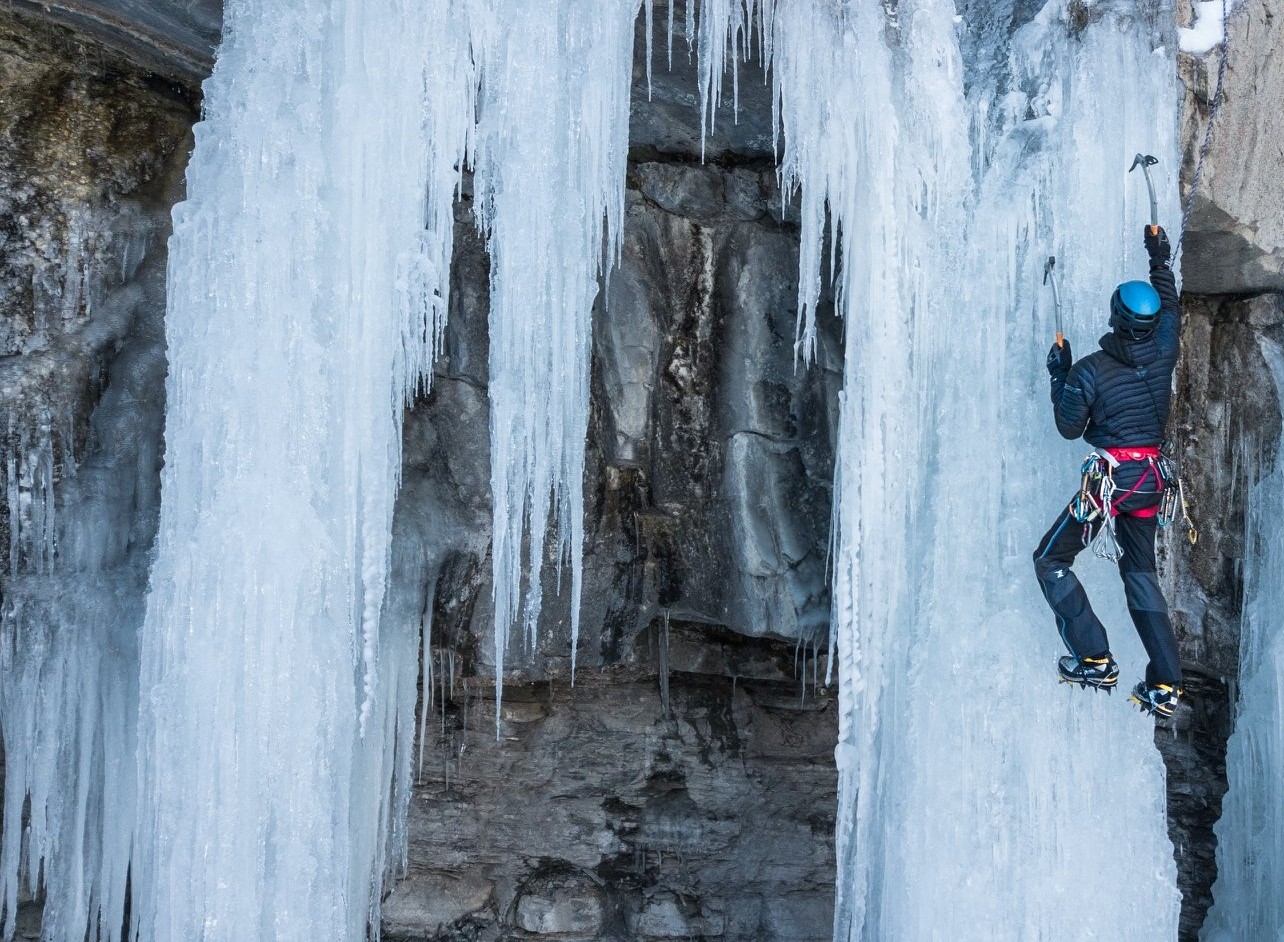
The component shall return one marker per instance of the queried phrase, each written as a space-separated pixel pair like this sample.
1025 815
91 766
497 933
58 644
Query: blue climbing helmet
1134 307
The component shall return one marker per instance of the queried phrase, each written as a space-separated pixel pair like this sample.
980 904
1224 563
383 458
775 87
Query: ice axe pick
1050 271
1145 161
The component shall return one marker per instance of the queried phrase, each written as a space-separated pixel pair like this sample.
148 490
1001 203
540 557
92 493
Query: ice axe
1145 161
1050 271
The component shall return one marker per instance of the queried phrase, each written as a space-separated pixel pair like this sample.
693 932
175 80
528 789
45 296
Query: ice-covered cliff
708 468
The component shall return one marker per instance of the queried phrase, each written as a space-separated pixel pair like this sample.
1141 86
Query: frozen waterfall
940 153
306 292
246 766
942 161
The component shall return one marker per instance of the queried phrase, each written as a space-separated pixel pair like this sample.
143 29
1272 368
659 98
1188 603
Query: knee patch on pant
1143 593
1056 580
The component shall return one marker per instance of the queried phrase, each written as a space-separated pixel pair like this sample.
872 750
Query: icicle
664 667
425 681
552 142
669 37
441 673
649 7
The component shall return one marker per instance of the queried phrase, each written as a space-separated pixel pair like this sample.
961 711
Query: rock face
1235 243
1227 415
684 794
684 787
91 158
173 38
1226 419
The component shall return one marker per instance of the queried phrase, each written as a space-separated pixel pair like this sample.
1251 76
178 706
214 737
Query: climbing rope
1208 131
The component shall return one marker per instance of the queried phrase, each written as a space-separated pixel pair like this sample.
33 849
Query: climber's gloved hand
1060 360
1157 246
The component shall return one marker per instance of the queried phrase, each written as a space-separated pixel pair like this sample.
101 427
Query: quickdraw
1096 501
1174 498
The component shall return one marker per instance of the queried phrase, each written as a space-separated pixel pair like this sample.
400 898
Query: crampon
1099 673
1156 699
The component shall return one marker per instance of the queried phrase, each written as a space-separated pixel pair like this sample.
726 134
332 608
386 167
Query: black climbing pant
1081 630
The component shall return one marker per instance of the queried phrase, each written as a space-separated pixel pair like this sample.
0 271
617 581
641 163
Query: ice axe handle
1049 271
1145 162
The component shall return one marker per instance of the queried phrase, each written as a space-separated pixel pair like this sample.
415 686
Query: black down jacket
1118 396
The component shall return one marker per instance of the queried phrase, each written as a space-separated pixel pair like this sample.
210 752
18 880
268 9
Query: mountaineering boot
1156 699
1101 673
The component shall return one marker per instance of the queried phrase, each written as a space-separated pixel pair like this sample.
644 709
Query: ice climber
1117 399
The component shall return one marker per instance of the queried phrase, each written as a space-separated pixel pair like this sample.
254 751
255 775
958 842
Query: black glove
1157 246
1059 360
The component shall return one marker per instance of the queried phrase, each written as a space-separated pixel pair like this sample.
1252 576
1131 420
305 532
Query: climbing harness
1096 504
1208 131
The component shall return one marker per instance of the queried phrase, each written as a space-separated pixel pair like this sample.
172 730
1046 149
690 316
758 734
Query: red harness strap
1145 453
1132 454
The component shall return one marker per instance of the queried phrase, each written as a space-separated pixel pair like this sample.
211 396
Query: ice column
81 514
307 282
552 142
1250 834
68 668
940 159
309 268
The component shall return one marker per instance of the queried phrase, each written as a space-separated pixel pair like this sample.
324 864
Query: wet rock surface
1226 419
175 38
